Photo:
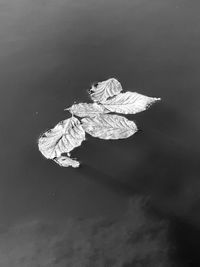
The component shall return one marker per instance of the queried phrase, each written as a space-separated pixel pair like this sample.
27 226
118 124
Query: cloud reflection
134 239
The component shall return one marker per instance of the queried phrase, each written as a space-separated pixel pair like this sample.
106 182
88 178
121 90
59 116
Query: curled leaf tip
103 90
64 161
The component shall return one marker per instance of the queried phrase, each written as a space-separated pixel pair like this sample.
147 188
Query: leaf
103 90
129 103
87 110
63 138
109 126
65 161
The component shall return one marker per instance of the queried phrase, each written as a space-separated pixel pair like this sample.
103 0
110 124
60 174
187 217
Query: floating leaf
129 103
65 161
109 126
87 110
63 138
103 90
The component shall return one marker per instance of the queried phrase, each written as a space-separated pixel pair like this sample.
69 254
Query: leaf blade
63 138
87 109
129 103
109 127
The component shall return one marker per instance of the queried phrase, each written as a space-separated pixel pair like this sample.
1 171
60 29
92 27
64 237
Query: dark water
50 53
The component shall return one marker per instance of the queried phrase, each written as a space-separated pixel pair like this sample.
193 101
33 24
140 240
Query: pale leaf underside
87 109
129 103
63 138
65 161
109 126
103 90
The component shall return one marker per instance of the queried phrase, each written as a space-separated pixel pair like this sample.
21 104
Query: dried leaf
129 103
87 110
70 133
63 138
65 161
103 90
109 126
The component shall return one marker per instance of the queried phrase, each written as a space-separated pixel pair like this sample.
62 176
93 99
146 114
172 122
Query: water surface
50 53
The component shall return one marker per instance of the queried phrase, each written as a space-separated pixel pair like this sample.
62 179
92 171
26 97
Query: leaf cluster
96 119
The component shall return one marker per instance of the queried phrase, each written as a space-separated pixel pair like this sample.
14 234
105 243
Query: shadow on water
102 178
168 174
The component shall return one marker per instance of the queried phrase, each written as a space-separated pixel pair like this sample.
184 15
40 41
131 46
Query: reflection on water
133 239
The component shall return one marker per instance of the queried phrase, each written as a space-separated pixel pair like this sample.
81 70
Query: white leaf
104 90
109 126
65 161
87 110
64 137
129 103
